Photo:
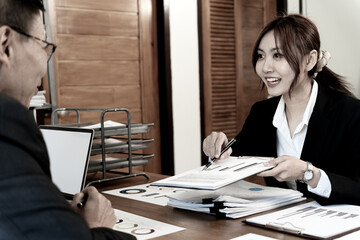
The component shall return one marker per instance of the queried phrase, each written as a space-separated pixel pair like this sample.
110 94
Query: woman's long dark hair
298 36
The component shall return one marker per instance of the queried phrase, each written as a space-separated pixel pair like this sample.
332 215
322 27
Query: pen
228 145
82 203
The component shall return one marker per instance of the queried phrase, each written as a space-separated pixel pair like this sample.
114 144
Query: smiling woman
272 67
311 122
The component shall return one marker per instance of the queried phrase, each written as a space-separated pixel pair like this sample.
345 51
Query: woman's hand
214 143
286 168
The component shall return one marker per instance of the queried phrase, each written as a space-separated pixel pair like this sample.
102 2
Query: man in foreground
31 206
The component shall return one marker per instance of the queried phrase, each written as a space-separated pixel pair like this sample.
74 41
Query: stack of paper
38 100
236 200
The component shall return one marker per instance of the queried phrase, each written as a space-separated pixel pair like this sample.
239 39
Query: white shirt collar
280 117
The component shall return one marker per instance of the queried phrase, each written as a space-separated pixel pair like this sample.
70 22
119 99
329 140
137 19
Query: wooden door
229 29
107 58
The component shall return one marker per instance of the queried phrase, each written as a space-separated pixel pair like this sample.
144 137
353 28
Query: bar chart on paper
312 220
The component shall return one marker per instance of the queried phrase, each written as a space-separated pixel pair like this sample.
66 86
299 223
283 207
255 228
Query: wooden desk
198 225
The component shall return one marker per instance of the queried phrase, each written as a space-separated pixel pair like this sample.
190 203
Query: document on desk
252 236
311 220
219 174
236 200
142 228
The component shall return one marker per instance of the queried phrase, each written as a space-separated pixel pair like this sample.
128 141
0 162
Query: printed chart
312 219
141 227
146 193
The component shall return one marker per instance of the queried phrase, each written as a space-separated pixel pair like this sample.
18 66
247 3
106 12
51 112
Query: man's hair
19 13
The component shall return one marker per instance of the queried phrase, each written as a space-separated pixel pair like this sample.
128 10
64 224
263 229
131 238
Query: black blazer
31 206
332 142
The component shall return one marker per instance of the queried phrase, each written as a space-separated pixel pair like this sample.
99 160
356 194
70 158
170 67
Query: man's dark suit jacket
332 142
31 206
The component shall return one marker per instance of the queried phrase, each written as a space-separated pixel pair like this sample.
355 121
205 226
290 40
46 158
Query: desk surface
198 225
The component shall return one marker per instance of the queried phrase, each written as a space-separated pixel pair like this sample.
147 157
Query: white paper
313 219
236 200
141 227
146 193
38 100
107 123
351 236
253 236
219 174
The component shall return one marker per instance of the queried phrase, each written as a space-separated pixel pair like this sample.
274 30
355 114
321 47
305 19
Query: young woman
311 122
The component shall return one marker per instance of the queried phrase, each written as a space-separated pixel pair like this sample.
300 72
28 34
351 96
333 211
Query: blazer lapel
319 126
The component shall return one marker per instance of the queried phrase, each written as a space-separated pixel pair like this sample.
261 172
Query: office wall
185 84
338 23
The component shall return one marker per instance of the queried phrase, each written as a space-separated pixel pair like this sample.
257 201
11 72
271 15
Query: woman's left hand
287 168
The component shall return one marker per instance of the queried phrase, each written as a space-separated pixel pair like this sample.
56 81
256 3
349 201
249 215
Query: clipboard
311 220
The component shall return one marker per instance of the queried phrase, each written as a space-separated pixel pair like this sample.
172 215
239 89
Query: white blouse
293 146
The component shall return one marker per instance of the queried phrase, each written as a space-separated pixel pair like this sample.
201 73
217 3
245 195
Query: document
252 236
312 220
142 228
146 193
107 123
219 174
236 200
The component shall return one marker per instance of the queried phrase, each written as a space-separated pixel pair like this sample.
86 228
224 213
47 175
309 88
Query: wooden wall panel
229 84
223 66
110 5
80 47
252 3
150 81
91 73
97 23
107 58
248 36
252 17
101 97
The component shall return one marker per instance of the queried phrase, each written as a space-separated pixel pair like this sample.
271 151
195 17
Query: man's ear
312 59
6 37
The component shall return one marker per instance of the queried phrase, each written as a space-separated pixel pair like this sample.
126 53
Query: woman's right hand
214 143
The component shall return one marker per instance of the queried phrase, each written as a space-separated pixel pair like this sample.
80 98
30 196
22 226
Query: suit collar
318 125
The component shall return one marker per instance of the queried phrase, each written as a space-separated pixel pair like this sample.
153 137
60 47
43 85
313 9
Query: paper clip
285 227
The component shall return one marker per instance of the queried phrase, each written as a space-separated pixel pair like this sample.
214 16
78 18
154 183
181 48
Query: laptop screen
69 152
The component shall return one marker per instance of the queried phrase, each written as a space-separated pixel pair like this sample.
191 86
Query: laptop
69 152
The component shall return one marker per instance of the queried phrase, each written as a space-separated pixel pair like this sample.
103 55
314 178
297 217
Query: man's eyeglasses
49 47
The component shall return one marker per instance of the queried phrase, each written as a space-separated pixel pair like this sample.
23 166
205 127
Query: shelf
114 163
136 128
113 139
113 145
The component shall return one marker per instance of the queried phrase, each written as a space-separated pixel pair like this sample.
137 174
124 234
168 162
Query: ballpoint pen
228 145
82 202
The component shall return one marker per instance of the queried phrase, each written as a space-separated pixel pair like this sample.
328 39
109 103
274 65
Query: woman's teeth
273 80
